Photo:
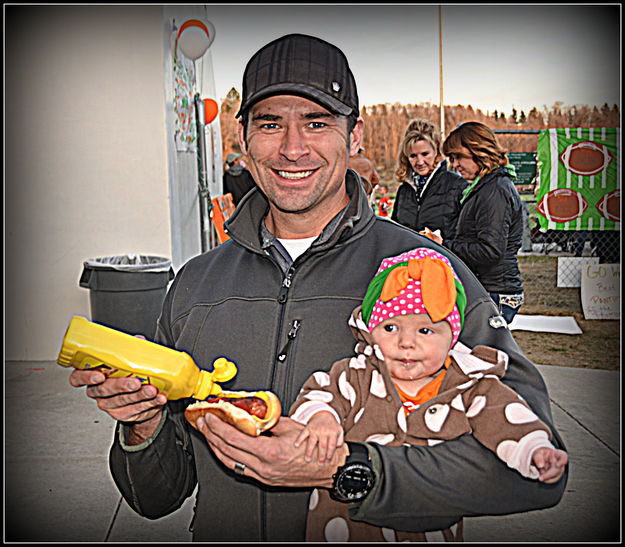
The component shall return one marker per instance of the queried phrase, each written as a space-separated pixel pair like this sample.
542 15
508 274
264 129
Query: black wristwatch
354 480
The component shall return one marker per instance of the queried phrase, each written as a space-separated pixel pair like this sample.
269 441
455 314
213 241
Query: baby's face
412 345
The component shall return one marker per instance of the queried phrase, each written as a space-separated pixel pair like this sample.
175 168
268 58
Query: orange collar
427 392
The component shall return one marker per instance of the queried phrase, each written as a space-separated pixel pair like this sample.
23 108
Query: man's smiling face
298 153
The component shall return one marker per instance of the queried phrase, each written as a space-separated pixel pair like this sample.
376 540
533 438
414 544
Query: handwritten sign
600 291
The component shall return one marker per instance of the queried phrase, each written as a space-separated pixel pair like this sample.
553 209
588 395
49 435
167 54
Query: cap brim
302 90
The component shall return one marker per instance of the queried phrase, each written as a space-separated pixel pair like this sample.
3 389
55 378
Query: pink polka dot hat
418 281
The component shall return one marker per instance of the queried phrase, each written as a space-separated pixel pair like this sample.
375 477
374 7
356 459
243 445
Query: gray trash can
127 291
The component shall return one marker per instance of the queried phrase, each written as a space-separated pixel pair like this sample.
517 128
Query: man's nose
294 144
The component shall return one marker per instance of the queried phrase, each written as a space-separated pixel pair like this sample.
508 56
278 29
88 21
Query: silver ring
239 468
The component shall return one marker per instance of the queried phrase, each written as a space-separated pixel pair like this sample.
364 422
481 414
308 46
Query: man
236 179
301 254
366 169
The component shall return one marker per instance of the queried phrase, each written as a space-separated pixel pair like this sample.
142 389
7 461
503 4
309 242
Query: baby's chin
401 370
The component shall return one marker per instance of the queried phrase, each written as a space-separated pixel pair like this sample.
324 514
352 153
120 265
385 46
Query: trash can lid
130 263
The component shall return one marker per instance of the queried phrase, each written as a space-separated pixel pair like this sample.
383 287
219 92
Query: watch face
354 482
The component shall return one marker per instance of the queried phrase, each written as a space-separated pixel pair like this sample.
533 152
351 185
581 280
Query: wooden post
440 60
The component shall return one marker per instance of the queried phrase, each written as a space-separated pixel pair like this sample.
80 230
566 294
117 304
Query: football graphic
562 205
586 158
610 205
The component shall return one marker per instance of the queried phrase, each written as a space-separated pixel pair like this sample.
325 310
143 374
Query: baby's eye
425 330
391 328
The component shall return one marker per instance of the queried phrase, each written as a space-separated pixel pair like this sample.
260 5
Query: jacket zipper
295 325
280 358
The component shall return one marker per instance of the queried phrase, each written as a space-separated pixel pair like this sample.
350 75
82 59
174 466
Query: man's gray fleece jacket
281 323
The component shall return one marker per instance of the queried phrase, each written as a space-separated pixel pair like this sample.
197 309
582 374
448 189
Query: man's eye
318 125
269 126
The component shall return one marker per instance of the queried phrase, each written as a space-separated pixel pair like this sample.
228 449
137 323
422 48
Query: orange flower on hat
438 287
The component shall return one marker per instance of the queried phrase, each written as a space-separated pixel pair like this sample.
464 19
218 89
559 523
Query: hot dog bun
238 417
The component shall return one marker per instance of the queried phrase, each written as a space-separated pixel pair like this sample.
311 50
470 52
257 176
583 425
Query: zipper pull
286 284
294 328
295 325
287 280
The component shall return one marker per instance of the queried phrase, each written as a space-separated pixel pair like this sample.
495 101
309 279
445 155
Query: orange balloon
211 109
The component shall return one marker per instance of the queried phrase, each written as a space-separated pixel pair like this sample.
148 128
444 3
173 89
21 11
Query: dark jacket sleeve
455 192
490 227
156 476
405 210
429 488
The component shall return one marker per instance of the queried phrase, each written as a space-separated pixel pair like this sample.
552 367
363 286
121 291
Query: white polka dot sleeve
518 454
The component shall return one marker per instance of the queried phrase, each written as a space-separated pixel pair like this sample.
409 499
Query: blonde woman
429 194
490 224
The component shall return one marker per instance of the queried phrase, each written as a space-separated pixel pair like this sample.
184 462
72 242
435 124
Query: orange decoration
438 288
223 207
211 109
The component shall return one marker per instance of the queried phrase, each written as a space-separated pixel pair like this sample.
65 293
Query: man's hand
272 458
124 399
433 235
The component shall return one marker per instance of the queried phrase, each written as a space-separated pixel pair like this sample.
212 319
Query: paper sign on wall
601 292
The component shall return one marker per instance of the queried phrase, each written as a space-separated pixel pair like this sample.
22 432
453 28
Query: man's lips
294 175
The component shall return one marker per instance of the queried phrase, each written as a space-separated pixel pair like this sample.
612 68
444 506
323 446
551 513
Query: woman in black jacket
429 196
490 225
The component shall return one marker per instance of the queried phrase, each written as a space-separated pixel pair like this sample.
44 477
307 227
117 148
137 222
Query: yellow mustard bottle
88 345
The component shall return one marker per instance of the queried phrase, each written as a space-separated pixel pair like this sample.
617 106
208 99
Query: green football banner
579 179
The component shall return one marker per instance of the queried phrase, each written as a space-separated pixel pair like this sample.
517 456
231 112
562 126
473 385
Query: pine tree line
385 124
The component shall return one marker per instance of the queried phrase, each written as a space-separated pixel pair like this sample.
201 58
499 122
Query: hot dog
252 412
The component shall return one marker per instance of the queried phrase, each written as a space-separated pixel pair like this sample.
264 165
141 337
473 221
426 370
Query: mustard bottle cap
224 370
206 386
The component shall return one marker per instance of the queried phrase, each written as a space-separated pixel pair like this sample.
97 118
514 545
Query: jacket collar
441 167
480 182
246 225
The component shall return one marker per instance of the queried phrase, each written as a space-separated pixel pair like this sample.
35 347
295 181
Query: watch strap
358 453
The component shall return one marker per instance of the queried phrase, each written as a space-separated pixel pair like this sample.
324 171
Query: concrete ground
58 487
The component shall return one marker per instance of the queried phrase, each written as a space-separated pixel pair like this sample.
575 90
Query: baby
407 357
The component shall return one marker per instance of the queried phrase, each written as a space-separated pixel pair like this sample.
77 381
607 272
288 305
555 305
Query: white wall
183 165
86 170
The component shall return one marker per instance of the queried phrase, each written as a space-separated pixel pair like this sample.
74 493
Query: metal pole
440 68
204 195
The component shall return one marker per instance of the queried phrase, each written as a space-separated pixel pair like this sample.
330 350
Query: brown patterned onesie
360 393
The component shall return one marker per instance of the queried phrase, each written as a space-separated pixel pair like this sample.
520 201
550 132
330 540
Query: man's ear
355 137
241 135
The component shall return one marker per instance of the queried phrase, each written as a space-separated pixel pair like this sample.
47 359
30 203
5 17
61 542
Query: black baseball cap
297 64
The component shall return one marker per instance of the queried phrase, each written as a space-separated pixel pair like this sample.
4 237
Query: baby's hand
550 463
324 432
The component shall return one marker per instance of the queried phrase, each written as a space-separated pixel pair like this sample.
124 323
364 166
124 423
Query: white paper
543 323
